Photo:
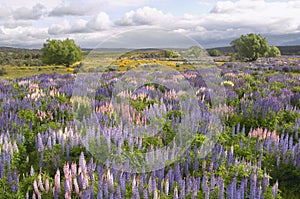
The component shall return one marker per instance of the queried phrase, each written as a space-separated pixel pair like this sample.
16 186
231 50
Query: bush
214 53
2 72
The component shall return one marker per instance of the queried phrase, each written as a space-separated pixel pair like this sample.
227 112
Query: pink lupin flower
73 169
40 183
31 170
47 185
76 187
36 189
67 195
57 181
66 171
167 186
82 161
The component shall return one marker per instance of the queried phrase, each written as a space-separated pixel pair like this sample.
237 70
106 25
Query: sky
211 23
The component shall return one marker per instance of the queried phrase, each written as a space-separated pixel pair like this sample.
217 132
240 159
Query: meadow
44 153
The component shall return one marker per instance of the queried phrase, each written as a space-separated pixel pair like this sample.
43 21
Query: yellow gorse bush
135 63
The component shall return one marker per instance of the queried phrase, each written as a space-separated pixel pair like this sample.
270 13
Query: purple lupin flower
153 182
275 189
68 151
258 191
9 176
234 186
145 193
123 184
118 193
241 144
233 132
135 193
105 189
31 171
221 188
175 193
222 155
177 173
229 191
253 178
82 161
265 183
187 162
278 160
16 179
212 181
1 168
182 189
196 161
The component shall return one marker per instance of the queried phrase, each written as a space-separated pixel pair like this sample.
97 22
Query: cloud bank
89 22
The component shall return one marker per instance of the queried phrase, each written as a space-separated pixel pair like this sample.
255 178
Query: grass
13 72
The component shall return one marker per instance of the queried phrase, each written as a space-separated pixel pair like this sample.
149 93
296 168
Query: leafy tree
194 52
274 51
171 54
61 52
250 47
214 52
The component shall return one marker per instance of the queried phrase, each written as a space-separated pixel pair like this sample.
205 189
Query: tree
214 52
194 52
171 54
61 52
274 51
250 47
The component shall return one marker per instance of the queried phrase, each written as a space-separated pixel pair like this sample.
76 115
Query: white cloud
84 20
58 29
33 13
99 22
80 26
259 16
144 16
4 12
14 4
23 37
69 10
16 23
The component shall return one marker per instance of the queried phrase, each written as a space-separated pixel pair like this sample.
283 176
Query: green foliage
171 54
61 52
287 175
2 71
194 52
214 52
274 52
252 46
19 57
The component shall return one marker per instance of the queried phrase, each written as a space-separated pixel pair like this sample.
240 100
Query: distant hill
17 50
285 50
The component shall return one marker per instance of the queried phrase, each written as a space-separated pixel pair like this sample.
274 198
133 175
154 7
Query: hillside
285 50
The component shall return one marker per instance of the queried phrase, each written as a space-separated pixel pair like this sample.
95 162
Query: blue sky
211 23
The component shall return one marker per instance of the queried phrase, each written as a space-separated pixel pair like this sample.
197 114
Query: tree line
65 52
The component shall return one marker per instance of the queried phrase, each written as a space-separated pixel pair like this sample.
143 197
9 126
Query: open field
13 72
248 111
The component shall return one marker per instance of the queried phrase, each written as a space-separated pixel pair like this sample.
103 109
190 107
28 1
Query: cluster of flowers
42 155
